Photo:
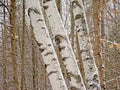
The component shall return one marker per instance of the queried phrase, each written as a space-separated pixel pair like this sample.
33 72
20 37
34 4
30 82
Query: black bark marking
75 4
77 26
95 77
40 20
78 16
52 72
54 59
64 58
57 40
78 30
91 68
33 9
48 53
49 44
45 1
88 58
45 7
42 27
46 65
61 48
42 49
39 44
49 15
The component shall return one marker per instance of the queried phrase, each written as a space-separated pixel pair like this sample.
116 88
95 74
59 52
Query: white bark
90 68
46 47
66 15
63 10
60 37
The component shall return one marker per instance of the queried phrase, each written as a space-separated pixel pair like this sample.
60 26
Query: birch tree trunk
64 9
66 15
60 38
46 47
90 68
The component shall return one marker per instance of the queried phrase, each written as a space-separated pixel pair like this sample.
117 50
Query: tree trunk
14 42
60 38
5 87
23 50
90 68
46 47
96 43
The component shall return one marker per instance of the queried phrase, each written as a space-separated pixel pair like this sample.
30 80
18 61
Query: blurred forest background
22 65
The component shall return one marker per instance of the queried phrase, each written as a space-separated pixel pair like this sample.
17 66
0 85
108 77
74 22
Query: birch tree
59 44
60 38
64 9
90 68
46 47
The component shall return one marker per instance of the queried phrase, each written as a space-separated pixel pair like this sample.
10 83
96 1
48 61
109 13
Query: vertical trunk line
33 59
14 42
58 2
5 87
72 29
97 44
103 23
46 47
58 55
80 64
62 36
23 50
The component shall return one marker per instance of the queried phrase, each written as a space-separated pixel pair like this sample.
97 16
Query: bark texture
60 38
90 68
14 42
46 47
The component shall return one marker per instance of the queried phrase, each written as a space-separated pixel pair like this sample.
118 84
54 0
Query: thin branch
108 41
112 79
5 7
112 16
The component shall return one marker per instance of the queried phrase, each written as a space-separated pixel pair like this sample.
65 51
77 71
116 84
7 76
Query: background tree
59 44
